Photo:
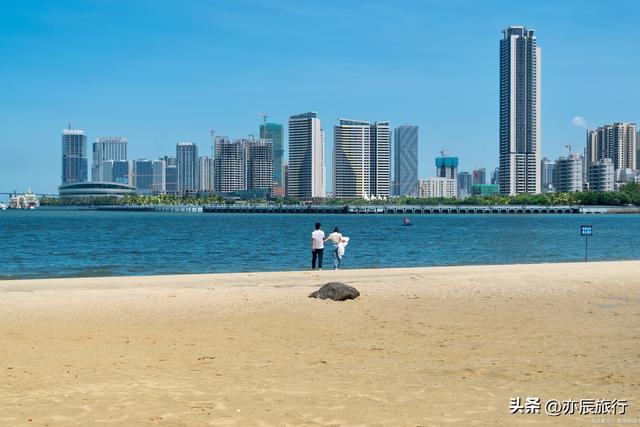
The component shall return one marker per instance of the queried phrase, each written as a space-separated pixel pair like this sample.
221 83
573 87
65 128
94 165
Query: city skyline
424 85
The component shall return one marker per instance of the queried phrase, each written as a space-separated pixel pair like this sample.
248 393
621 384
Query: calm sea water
42 243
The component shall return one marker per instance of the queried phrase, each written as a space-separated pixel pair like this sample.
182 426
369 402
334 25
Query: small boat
406 222
27 200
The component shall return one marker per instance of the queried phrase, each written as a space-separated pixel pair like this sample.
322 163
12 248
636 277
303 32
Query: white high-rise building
205 174
306 157
361 159
260 164
109 148
568 174
519 112
229 165
601 175
615 141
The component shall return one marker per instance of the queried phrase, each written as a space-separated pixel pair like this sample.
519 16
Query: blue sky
159 72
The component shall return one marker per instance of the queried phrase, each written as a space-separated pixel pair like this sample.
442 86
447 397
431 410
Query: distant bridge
15 193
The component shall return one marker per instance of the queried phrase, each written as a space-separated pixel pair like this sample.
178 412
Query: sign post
586 231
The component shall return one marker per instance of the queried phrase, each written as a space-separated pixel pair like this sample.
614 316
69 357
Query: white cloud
579 121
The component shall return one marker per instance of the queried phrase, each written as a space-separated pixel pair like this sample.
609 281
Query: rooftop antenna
443 152
568 146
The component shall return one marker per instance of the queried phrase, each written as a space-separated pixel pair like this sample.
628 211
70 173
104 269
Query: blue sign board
586 230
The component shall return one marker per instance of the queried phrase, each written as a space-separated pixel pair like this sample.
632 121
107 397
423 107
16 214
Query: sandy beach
421 346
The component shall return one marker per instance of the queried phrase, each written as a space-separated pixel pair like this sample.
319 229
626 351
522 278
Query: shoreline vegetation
628 194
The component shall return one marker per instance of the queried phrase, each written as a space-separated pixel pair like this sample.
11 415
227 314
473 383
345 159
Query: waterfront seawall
387 209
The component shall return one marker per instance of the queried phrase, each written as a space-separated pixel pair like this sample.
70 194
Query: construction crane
568 146
264 117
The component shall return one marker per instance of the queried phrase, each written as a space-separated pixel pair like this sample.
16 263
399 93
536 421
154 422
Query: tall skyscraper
74 156
464 184
275 132
306 157
260 163
547 170
187 162
205 174
286 178
159 181
519 112
479 176
405 160
361 165
615 141
229 165
149 176
110 148
171 174
495 176
117 171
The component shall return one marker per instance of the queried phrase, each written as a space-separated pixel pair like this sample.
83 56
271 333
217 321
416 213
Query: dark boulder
336 291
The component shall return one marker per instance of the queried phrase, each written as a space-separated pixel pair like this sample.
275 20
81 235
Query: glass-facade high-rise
107 149
149 176
143 176
405 160
479 176
74 156
187 162
547 171
275 132
306 157
519 112
171 174
361 159
117 171
464 184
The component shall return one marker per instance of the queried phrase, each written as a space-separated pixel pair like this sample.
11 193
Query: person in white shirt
317 247
336 238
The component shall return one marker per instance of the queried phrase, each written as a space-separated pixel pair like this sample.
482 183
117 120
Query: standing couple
317 246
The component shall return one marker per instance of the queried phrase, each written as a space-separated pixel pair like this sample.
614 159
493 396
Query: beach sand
421 346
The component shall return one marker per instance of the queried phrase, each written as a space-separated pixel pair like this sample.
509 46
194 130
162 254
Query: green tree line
627 194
